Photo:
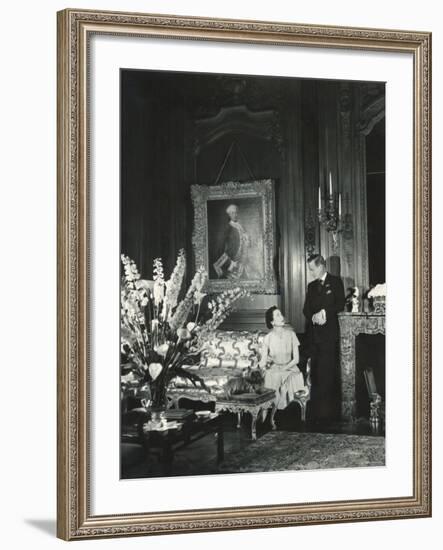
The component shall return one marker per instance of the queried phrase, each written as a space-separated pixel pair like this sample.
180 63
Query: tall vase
158 392
158 406
379 304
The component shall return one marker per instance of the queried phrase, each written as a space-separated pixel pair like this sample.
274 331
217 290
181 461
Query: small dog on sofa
251 382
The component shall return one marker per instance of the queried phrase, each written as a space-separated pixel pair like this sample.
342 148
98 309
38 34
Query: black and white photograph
253 295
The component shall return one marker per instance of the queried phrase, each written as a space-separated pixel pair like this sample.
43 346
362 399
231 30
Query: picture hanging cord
226 160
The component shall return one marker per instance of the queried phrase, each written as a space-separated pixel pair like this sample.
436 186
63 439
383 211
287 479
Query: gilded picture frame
255 203
74 517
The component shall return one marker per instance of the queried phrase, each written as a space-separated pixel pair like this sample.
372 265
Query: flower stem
198 312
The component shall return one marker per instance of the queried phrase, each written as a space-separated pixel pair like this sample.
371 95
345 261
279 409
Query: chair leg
303 412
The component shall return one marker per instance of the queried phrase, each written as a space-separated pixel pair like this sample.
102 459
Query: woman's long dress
277 353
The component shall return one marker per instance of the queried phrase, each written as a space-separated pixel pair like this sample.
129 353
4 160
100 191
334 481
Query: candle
339 205
330 184
319 198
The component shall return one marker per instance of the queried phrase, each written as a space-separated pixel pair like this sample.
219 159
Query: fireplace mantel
351 325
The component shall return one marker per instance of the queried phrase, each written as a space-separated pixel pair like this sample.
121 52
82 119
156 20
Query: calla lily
154 370
162 350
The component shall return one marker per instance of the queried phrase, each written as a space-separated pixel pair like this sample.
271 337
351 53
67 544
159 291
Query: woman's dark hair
269 316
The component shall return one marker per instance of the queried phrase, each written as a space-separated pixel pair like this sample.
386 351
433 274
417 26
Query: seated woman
280 357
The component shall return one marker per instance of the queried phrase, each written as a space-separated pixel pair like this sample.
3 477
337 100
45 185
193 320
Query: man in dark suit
325 297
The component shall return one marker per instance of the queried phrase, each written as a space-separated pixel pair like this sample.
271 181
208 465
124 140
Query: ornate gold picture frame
254 204
76 518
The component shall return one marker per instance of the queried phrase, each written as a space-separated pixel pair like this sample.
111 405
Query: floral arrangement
378 291
378 297
161 333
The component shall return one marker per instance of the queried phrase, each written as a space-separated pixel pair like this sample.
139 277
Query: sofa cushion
232 349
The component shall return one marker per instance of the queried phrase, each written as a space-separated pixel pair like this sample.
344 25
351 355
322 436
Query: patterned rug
280 451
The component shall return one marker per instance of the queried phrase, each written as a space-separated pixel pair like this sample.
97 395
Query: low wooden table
252 403
190 430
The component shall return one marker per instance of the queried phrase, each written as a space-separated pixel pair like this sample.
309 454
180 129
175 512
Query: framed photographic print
234 234
243 274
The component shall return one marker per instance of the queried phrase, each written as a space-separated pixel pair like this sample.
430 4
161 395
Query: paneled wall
181 129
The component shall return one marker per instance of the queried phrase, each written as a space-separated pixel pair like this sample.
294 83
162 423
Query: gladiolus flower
159 291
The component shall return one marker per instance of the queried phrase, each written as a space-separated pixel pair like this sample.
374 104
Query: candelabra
329 215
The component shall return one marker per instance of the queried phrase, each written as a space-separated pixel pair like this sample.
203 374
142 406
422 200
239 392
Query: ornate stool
253 403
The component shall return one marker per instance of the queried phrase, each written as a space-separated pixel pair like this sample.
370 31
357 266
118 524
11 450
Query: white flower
130 268
159 291
191 326
162 349
159 282
154 370
378 290
174 284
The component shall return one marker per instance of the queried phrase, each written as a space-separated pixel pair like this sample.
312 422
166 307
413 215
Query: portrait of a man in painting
235 242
